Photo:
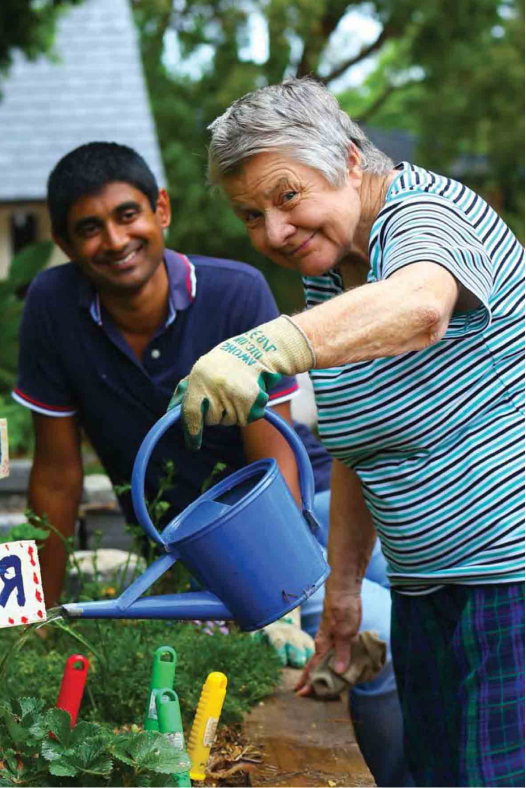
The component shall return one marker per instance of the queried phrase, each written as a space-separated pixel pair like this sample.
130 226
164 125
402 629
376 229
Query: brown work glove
368 655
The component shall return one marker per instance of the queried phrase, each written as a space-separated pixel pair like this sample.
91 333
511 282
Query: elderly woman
417 376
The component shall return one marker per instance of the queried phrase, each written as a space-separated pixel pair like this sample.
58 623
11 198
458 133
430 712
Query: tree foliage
449 72
475 110
28 26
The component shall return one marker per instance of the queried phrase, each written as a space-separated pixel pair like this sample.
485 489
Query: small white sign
4 450
21 594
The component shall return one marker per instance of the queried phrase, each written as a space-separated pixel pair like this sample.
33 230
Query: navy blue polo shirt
73 360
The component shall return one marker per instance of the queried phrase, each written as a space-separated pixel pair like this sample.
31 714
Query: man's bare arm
55 489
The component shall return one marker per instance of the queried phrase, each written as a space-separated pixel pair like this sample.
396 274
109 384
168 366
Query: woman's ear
354 158
354 163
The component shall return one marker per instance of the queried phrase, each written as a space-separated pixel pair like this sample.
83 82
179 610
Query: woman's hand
229 384
342 616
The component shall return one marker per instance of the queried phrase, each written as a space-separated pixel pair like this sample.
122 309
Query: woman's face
293 215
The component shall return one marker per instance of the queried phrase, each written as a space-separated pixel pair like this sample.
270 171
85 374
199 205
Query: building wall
8 212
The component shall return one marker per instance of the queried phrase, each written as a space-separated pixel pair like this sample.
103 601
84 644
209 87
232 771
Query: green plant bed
120 653
39 748
120 665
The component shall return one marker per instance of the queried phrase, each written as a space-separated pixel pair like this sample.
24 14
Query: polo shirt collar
181 283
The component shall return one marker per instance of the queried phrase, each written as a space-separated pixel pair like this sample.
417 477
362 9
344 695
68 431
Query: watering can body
244 539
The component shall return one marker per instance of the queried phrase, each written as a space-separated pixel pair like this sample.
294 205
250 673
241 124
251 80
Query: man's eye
128 216
88 230
251 216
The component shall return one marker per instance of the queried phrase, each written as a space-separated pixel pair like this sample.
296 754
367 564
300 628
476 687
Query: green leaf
23 706
52 750
24 531
59 723
91 756
150 750
28 262
89 730
62 769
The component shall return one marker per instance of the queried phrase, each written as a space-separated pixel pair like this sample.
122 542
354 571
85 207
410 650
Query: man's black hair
88 170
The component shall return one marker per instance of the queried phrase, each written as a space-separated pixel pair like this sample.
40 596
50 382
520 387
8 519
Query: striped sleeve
428 228
42 385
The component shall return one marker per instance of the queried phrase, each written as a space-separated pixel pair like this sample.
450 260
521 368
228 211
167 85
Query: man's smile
126 262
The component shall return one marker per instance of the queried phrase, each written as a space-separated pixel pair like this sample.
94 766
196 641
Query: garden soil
290 741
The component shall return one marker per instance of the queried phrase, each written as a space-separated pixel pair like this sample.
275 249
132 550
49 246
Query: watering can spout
192 605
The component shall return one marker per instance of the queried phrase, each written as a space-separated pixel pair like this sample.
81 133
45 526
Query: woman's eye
288 196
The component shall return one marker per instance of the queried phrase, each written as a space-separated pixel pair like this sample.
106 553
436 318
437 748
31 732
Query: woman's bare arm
409 311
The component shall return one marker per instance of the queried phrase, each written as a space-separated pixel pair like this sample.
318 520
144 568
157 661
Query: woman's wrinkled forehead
261 175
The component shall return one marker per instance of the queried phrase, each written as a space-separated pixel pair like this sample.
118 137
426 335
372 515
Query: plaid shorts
458 656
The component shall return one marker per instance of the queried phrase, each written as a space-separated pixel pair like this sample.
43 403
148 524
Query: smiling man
107 337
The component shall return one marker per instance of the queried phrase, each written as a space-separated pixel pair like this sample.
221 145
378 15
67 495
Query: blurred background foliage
449 73
29 26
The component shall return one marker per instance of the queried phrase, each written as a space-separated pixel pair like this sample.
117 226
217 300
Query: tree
439 68
28 26
474 110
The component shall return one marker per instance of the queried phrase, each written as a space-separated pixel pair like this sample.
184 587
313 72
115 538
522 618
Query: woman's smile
304 246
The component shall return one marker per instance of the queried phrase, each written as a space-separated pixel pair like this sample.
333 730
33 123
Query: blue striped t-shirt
436 436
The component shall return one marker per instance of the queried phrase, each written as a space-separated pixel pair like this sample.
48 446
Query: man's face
116 238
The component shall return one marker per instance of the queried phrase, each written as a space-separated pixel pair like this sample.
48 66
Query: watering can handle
304 467
164 424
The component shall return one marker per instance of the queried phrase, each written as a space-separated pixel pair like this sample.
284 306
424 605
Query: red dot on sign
40 614
6 546
38 596
24 620
35 578
30 551
11 620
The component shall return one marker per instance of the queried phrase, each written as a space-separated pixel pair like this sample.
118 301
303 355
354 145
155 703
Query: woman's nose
279 230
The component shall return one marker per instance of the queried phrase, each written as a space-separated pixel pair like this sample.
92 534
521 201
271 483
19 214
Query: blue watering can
244 539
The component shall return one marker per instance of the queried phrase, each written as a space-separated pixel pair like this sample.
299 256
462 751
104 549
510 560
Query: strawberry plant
39 748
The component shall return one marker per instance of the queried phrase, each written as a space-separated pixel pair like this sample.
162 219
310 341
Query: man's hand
294 646
342 615
229 384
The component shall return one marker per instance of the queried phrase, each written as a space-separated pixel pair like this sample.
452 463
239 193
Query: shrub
24 267
120 654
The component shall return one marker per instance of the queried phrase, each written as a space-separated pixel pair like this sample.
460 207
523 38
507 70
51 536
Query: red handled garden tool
72 687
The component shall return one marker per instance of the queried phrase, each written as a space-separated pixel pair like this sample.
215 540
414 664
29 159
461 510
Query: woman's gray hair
298 117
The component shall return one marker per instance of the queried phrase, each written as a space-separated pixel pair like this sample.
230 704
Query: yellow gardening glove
294 646
229 384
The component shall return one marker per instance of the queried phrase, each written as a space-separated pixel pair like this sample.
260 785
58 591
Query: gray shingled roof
398 145
96 91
